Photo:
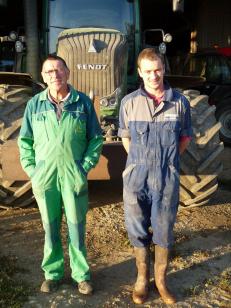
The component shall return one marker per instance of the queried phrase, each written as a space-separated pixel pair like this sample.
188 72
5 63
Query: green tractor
100 41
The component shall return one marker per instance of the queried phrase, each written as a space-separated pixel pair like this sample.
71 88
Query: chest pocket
142 130
79 123
170 133
40 127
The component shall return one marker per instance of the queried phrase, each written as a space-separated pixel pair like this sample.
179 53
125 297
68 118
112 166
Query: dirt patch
199 270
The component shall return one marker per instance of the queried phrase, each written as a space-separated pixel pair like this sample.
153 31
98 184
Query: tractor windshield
110 14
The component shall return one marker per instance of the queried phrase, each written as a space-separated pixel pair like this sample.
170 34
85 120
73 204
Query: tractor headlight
167 38
19 46
111 101
13 35
104 102
162 48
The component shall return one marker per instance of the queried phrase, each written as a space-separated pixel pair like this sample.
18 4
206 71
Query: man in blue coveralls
155 127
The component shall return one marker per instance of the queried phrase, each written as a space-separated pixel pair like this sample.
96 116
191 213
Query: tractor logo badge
96 67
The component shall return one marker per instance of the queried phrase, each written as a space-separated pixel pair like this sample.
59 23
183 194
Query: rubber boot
160 269
140 291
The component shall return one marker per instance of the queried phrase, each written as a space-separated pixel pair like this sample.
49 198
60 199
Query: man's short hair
149 54
55 57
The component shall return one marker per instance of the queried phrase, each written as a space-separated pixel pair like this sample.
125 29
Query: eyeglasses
54 72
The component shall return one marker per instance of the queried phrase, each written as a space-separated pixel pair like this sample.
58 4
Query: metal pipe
31 28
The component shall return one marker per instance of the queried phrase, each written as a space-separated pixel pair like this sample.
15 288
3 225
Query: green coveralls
57 155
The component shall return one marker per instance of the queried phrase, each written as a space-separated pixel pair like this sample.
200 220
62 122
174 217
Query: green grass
13 291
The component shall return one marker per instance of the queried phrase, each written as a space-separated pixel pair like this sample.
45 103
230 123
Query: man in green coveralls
60 141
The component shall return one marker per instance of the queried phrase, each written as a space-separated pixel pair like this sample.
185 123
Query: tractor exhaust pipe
31 28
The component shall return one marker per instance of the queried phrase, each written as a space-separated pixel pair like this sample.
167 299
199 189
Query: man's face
55 75
152 73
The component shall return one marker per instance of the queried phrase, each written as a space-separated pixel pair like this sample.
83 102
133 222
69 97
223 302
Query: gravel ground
199 272
200 265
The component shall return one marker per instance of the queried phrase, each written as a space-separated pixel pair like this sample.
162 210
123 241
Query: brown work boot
160 269
49 286
140 291
85 287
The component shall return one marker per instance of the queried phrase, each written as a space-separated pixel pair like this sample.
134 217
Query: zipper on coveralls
44 121
154 166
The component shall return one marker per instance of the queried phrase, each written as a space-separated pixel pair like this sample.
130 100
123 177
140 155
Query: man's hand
184 142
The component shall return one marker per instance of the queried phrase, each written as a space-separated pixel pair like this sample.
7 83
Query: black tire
13 99
201 162
223 115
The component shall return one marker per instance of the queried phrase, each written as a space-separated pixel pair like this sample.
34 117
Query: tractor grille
96 59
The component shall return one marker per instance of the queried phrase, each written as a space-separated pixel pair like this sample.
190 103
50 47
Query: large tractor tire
201 162
13 99
223 115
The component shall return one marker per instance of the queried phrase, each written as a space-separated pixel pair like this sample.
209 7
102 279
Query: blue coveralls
151 176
